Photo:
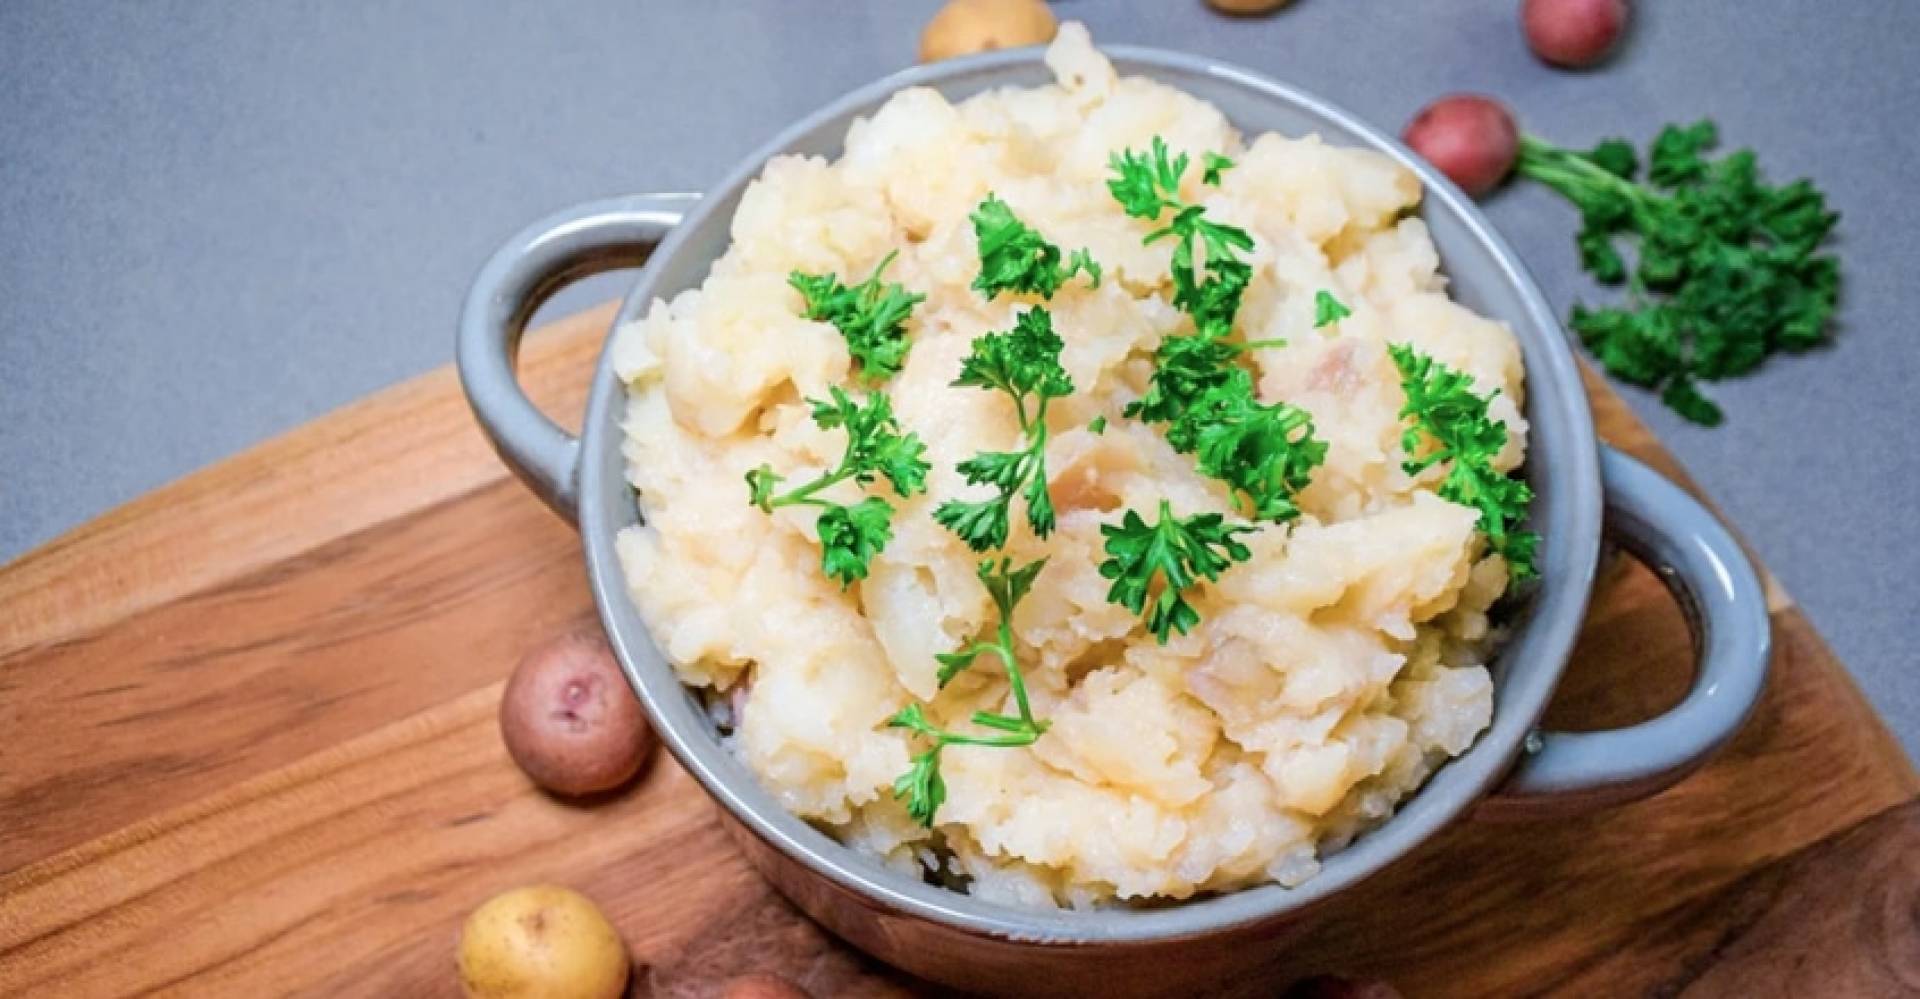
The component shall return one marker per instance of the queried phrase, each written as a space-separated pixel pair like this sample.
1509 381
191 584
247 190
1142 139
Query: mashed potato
1329 674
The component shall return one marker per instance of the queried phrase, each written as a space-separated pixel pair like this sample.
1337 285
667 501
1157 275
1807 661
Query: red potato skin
762 986
1573 33
569 719
1470 138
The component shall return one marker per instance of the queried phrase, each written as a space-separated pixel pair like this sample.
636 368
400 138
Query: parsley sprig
851 534
1024 363
1178 552
1450 424
1014 257
1265 453
922 787
870 316
1147 185
1727 273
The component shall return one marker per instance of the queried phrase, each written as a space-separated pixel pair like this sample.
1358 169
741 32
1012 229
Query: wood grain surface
248 747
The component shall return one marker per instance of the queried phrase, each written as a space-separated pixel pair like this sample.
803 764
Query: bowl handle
1726 610
538 261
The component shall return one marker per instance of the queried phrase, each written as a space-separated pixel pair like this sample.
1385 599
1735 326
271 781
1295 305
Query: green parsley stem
804 494
1559 168
945 738
1004 649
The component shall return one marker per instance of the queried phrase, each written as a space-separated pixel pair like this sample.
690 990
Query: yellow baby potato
541 942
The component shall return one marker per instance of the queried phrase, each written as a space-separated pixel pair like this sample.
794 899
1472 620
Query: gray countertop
222 219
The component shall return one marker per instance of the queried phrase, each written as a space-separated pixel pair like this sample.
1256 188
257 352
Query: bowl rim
1557 606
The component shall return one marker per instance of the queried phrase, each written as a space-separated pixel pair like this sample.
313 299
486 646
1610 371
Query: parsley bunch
870 316
1727 272
922 787
1207 400
851 535
1447 413
1265 453
1024 363
1179 551
1148 185
1014 257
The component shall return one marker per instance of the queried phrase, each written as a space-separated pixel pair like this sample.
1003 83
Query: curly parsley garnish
1327 309
1727 273
1014 257
851 535
1025 364
1264 453
922 787
870 316
1180 551
1148 185
1212 166
1451 425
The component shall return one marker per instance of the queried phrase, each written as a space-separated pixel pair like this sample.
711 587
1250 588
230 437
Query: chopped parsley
1264 453
1014 257
921 787
1148 185
1727 271
1179 552
1212 165
1024 363
1327 309
870 316
851 534
1450 424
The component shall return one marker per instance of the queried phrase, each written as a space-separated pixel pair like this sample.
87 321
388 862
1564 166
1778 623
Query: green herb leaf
1264 453
1328 309
1450 424
1014 257
1174 551
1185 368
921 787
871 317
1212 166
1726 270
1024 363
1141 179
761 482
851 535
1097 425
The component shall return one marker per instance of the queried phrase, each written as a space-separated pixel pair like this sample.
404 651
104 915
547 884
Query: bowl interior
1562 466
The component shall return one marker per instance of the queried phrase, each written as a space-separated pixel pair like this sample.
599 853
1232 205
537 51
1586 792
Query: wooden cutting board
247 747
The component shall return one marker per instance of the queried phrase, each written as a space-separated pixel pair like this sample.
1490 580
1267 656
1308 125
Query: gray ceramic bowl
1583 489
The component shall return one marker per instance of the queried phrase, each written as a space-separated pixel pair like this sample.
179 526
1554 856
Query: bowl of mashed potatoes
1079 510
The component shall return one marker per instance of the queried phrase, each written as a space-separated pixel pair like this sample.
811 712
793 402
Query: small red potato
761 986
1246 7
1573 33
1470 138
569 719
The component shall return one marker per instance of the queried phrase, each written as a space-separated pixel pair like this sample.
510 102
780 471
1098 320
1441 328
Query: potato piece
1246 6
963 27
570 720
541 942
